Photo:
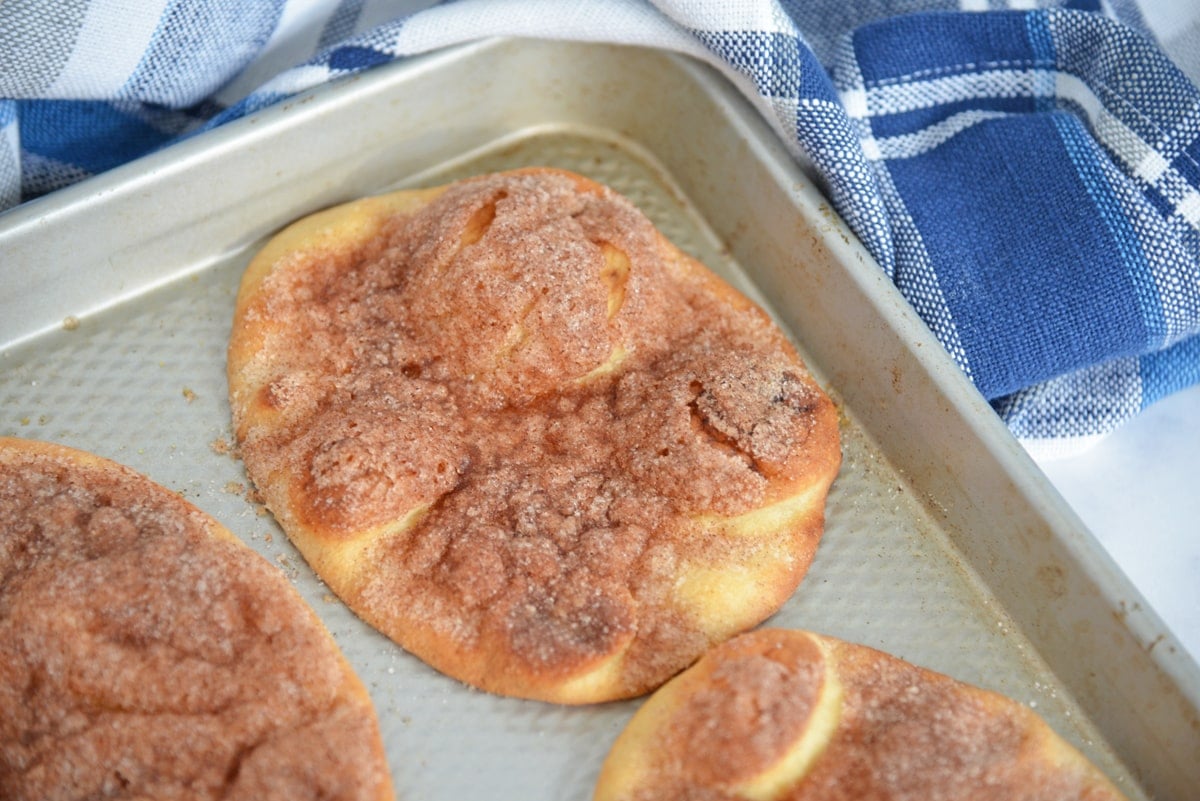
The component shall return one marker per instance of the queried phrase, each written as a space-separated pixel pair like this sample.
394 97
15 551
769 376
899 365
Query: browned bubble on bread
776 715
146 653
523 435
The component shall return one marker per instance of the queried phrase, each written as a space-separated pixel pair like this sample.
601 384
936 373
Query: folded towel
1029 179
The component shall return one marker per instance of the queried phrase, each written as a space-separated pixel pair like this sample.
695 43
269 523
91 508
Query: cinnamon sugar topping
141 656
534 368
891 731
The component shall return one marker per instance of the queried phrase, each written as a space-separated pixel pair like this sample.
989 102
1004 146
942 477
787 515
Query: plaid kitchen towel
1027 173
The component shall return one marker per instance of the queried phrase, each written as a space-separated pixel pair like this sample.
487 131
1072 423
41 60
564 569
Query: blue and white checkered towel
1026 171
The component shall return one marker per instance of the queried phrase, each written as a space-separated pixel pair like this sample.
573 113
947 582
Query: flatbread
778 715
147 653
526 437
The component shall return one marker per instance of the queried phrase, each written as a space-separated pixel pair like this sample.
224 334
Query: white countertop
1137 490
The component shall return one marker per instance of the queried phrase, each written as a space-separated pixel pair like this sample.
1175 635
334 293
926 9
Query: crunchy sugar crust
526 437
146 653
778 715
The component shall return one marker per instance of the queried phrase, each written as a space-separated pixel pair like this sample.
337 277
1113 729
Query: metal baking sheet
944 544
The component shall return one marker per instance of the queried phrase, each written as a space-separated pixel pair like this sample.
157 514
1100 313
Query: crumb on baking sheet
221 446
189 394
235 487
70 323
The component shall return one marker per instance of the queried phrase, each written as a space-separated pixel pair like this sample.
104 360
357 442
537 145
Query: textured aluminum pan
944 544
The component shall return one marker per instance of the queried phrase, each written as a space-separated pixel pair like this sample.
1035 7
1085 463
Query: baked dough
777 715
524 436
146 653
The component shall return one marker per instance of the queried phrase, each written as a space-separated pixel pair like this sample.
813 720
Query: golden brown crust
523 435
146 653
779 715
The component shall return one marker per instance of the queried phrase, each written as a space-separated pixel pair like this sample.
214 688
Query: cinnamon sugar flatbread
777 715
146 653
523 435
